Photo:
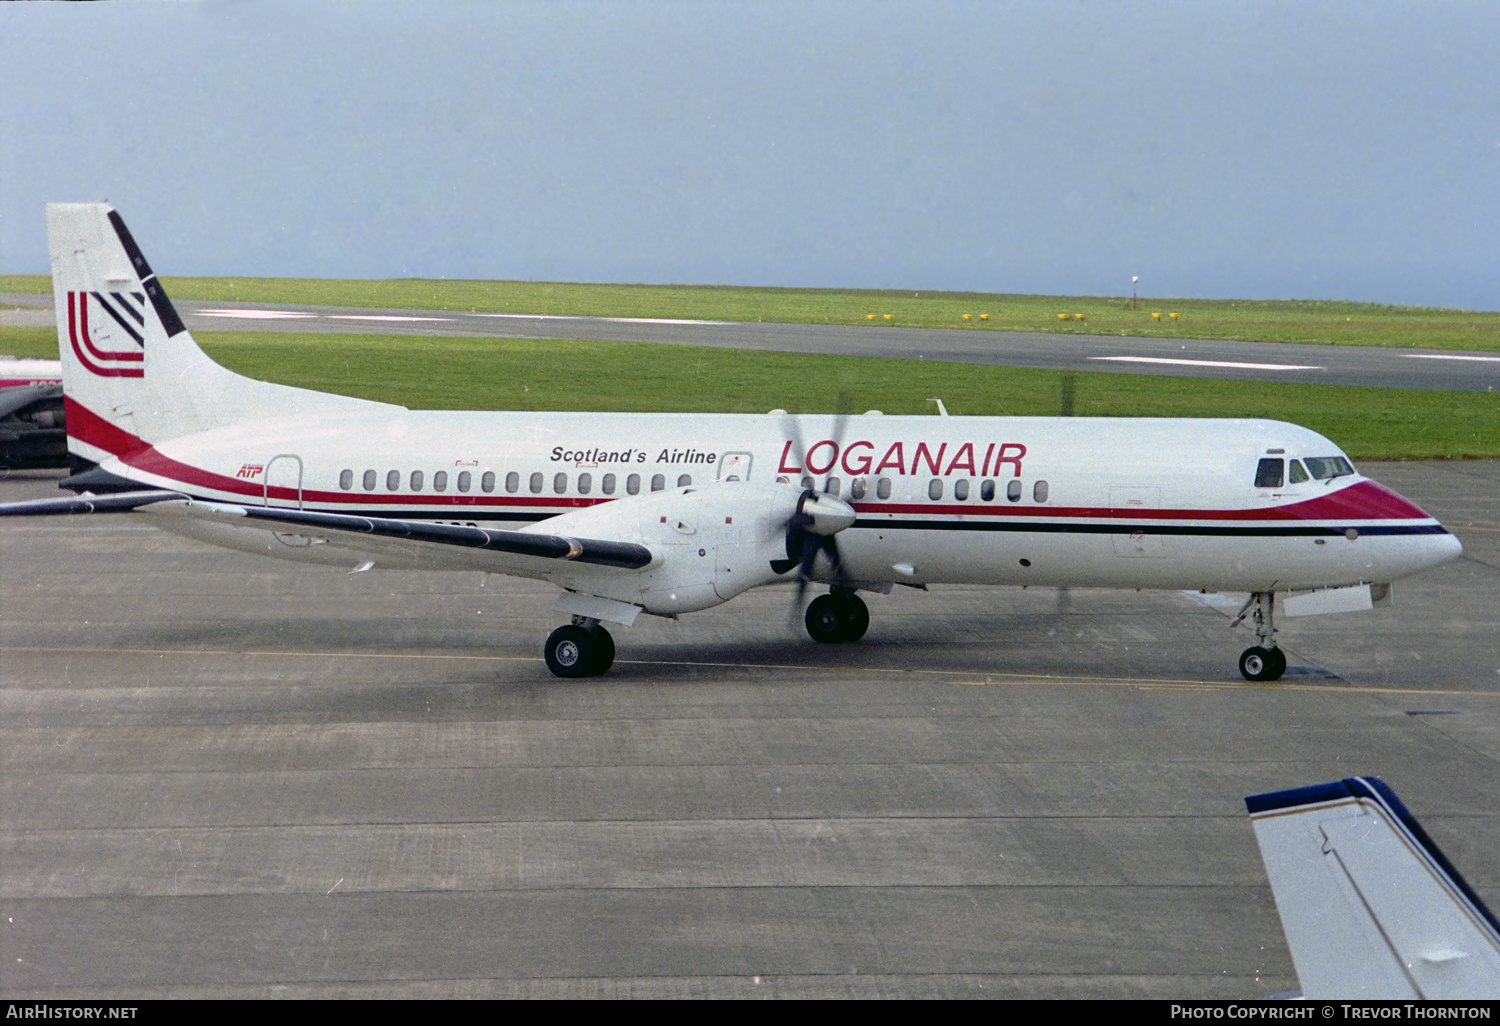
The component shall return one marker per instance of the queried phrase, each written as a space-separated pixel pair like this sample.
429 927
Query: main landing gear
582 648
837 616
1264 661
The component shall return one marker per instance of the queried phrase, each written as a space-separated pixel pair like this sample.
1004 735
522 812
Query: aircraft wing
1369 905
372 536
117 502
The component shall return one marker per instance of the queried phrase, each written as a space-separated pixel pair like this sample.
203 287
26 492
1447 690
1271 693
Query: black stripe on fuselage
1235 531
1021 527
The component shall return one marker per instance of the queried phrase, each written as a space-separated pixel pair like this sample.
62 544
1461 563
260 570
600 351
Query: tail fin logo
128 312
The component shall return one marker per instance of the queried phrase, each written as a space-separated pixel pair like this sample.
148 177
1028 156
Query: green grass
549 374
1331 323
29 343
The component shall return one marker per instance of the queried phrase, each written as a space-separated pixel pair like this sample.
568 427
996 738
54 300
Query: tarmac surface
226 776
1383 367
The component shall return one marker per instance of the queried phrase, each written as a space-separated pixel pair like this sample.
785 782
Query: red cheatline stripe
1364 500
1369 504
83 320
87 426
103 372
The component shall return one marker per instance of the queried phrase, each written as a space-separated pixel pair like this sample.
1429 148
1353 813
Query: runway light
1156 317
1174 316
892 317
968 317
1062 317
1078 317
871 317
984 317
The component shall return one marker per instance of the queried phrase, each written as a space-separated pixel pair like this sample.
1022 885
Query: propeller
818 517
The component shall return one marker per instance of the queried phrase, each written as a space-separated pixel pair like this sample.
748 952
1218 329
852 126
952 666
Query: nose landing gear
582 648
1265 661
836 617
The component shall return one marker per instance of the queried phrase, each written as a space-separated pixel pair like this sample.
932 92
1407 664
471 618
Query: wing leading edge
1369 905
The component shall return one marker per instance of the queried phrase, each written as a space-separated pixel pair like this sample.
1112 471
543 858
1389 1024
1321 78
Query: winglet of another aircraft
1370 907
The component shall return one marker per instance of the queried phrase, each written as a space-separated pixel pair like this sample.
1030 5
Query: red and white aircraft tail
132 374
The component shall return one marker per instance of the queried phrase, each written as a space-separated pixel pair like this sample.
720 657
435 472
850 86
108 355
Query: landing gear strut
837 616
1264 661
582 648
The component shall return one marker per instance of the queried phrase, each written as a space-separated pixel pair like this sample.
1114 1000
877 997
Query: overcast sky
1262 150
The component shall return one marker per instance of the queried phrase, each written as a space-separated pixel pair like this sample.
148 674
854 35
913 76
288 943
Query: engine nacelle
711 542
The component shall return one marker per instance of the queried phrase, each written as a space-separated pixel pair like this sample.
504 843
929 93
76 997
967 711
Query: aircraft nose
1434 544
1444 547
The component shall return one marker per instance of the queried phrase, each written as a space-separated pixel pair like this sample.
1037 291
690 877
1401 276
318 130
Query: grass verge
551 374
1330 323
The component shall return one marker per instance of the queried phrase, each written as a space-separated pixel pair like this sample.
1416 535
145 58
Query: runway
225 776
1374 366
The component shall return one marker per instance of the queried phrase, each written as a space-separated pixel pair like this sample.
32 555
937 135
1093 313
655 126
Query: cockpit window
1270 473
1295 474
1325 467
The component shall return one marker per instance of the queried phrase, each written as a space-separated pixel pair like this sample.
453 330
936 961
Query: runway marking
378 317
1014 679
1208 685
612 320
1429 356
1210 363
252 315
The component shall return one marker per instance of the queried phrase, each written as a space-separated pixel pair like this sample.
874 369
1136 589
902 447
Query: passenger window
684 480
440 481
393 481
1039 491
808 482
1295 473
464 480
416 480
346 479
512 482
536 483
487 482
559 483
658 482
935 489
883 488
987 490
1013 490
857 488
585 483
633 484
1269 473
833 486
961 490
369 481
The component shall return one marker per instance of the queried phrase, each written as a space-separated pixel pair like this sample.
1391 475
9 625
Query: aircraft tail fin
132 374
1369 905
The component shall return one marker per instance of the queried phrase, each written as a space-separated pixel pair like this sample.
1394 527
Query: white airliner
671 513
1370 907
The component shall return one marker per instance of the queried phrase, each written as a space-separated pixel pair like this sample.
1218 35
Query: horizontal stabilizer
1370 906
